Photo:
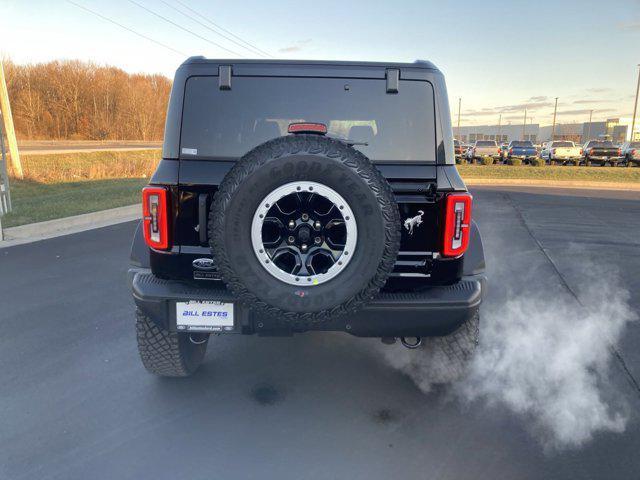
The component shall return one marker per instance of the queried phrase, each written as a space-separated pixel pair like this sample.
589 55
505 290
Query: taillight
581 151
498 151
619 151
511 150
457 224
155 217
633 152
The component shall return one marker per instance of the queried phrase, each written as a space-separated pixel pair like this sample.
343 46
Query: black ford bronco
295 196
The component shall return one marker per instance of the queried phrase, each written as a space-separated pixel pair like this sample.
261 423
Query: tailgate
567 151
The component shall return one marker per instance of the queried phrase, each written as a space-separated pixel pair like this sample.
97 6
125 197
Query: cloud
537 99
599 90
531 105
296 47
629 26
293 48
585 111
602 100
527 105
478 113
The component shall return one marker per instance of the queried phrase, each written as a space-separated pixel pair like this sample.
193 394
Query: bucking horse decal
411 223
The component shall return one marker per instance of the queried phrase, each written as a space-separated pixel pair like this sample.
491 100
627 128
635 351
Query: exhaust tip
411 342
198 338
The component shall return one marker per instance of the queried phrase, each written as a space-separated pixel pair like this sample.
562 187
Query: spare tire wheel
304 228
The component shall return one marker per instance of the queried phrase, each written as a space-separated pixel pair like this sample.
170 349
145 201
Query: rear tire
451 355
166 353
439 360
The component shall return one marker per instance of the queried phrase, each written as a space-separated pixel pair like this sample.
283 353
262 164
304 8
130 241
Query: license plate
205 315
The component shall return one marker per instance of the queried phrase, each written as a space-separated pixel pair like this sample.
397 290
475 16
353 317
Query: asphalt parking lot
77 404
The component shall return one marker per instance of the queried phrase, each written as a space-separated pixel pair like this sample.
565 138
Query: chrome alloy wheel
304 233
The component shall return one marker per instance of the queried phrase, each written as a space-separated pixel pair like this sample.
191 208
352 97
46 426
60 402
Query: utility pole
500 128
5 194
635 108
553 128
524 125
8 126
589 126
459 107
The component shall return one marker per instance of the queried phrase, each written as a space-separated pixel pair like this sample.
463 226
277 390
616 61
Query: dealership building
499 133
616 129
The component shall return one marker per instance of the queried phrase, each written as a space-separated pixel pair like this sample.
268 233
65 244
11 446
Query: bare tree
84 101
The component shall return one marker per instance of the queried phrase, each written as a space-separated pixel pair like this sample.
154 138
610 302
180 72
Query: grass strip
37 202
551 172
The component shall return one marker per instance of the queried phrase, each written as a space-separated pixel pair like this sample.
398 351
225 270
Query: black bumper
435 311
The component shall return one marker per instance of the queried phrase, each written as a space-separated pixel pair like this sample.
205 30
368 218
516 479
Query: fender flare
139 256
473 260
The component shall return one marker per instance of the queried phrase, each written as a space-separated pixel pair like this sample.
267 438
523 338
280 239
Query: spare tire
304 229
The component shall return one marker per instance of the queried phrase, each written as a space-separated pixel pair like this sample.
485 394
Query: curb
516 182
34 232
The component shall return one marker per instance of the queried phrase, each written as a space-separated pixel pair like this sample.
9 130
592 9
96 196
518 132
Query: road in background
43 147
77 404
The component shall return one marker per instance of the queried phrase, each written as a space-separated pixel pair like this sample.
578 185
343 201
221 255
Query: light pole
635 108
459 107
500 128
524 125
589 126
553 127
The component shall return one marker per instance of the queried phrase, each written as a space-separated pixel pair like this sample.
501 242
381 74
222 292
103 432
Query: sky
498 56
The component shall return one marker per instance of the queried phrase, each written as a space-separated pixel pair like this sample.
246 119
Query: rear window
600 143
226 124
486 143
562 144
522 144
634 144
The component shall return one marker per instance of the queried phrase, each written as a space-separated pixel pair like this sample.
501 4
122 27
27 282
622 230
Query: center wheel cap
304 234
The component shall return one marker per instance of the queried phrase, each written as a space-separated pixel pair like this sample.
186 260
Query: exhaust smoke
542 354
548 359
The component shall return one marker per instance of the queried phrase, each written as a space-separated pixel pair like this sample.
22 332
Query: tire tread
162 352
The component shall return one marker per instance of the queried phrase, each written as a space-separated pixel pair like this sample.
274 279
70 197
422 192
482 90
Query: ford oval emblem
203 264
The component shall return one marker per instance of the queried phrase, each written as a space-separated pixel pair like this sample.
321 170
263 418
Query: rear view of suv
306 196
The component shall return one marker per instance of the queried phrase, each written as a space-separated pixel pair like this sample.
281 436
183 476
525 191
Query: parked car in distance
460 148
601 152
483 148
561 151
631 153
522 149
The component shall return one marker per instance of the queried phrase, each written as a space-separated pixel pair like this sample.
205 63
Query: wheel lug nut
317 225
292 224
305 217
318 240
291 239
